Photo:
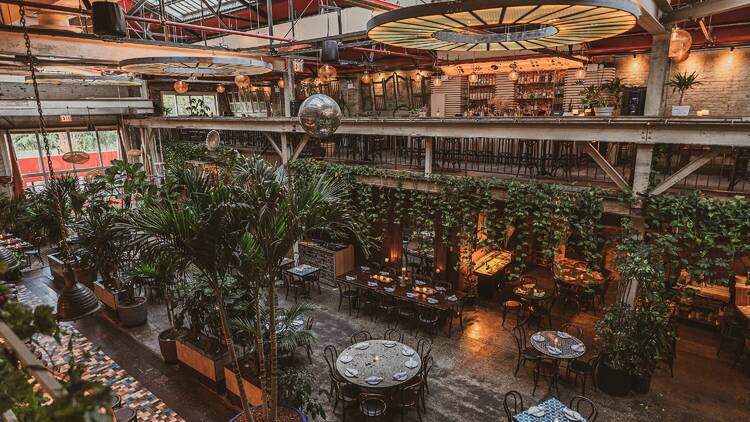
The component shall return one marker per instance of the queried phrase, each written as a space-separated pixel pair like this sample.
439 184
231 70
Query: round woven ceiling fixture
188 67
490 25
75 157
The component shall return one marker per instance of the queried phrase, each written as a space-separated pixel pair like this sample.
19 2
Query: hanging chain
64 251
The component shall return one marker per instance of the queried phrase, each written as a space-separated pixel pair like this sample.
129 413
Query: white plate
572 415
350 278
362 346
407 351
419 282
432 301
553 350
374 380
411 363
563 334
400 376
351 372
578 347
411 295
389 289
440 288
537 337
536 411
363 268
346 358
372 283
389 344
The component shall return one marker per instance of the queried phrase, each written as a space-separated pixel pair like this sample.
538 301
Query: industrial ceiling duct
329 52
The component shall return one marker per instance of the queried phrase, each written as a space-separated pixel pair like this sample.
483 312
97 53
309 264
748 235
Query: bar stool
125 414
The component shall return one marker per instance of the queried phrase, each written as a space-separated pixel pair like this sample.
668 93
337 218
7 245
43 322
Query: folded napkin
389 289
452 298
578 347
374 380
411 295
419 282
440 288
385 273
537 337
554 350
411 363
563 334
535 411
346 358
363 268
572 415
407 351
389 344
362 346
432 301
350 278
372 283
400 376
351 372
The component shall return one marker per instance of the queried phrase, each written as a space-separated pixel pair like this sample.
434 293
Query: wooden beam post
273 144
606 166
428 145
300 147
689 168
284 149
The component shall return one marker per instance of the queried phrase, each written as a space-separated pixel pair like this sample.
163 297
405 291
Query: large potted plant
682 82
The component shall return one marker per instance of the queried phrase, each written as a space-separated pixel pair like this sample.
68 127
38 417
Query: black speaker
109 19
329 52
633 101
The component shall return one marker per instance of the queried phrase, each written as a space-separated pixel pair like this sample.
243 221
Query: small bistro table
301 271
378 360
563 341
554 410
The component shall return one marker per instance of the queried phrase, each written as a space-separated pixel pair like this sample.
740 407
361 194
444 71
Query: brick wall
725 75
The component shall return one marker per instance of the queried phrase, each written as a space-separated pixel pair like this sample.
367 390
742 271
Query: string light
220 89
581 73
437 80
418 76
366 77
473 78
281 84
242 81
513 75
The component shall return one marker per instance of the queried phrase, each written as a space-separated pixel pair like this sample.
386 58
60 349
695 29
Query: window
102 146
180 104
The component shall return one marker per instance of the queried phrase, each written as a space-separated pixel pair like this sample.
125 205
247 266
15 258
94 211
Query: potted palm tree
682 82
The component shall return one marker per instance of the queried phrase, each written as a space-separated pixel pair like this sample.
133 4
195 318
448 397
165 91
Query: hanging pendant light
682 57
473 78
680 41
437 80
134 152
220 89
365 77
75 157
418 76
513 75
281 84
581 73
242 81
327 73
181 87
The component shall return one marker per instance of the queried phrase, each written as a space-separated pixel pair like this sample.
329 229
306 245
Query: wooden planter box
85 276
254 394
107 296
209 369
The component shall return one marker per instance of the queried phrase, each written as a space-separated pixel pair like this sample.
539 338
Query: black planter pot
614 382
168 345
641 384
133 314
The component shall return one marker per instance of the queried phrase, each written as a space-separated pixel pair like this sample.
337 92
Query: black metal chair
387 307
307 342
341 389
347 292
406 312
512 305
513 404
409 397
585 407
546 368
312 280
373 405
525 353
370 302
456 312
360 336
572 329
293 283
428 319
582 369
424 347
393 334
427 363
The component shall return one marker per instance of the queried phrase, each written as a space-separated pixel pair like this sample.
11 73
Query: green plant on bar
682 83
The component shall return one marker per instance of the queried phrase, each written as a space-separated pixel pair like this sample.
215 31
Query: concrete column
658 72
428 144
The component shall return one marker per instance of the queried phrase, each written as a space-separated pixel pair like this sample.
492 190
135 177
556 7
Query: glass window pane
170 104
58 145
211 103
110 144
86 141
183 104
27 153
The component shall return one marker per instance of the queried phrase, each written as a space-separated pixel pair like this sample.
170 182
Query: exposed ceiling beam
136 7
651 12
706 8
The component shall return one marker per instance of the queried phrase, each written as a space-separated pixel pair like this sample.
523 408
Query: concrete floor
472 372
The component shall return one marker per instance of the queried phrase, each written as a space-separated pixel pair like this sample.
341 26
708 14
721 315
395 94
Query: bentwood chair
409 397
347 292
513 404
360 336
546 368
585 407
428 319
424 347
406 312
525 353
341 389
393 334
373 405
582 369
572 329
427 364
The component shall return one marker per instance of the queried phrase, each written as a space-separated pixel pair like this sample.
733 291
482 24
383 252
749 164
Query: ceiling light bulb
281 84
181 87
473 78
513 75
437 81
581 73
418 76
220 89
365 77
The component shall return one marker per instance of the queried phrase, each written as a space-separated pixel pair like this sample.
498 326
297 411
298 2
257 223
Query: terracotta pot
133 314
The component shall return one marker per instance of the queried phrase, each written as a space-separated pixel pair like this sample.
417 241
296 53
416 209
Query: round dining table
378 364
558 345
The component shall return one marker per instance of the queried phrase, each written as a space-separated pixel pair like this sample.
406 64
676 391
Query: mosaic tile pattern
101 368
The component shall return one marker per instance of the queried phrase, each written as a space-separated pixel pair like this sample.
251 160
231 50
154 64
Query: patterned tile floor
101 368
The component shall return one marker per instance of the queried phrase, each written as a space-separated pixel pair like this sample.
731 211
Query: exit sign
66 118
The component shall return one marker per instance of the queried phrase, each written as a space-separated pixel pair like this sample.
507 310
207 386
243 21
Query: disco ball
319 115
